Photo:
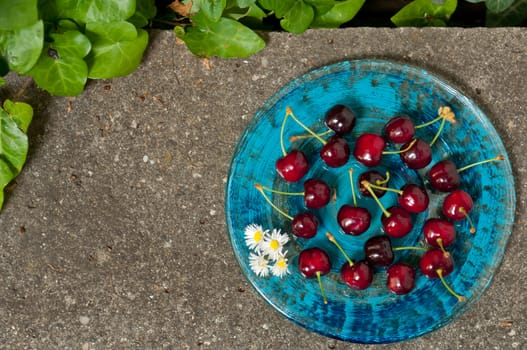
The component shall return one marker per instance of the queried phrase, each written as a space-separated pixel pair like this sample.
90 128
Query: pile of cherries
416 153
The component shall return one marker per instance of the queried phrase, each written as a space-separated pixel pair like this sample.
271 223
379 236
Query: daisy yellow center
274 244
281 263
258 235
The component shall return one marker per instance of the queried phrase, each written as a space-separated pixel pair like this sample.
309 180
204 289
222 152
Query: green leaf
298 18
2 81
212 9
252 12
279 7
16 14
87 11
420 13
321 6
20 112
514 15
225 38
145 10
498 6
239 3
342 12
22 47
117 49
4 66
71 42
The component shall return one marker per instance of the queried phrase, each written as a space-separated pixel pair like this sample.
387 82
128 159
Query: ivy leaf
237 13
212 9
224 38
16 14
117 49
240 3
71 42
145 10
420 13
298 18
279 7
498 6
87 11
22 47
341 12
20 112
514 15
321 6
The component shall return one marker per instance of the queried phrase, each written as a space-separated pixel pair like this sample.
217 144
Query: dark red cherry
357 276
398 224
378 250
457 205
312 261
401 278
335 152
353 220
293 166
368 149
413 198
305 225
444 176
418 156
316 193
436 229
340 119
374 177
399 129
435 259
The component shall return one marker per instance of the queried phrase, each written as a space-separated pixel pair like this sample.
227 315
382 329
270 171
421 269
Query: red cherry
401 278
444 176
373 177
340 119
312 261
293 166
417 156
316 193
378 250
357 276
413 198
353 220
398 224
399 129
305 225
439 232
368 149
435 259
457 205
335 152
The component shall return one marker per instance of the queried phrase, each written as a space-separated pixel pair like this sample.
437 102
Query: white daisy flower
274 242
254 236
259 264
281 267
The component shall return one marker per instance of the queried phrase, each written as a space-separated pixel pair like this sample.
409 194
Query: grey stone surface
114 237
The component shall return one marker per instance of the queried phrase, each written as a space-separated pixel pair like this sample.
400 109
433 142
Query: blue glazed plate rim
385 66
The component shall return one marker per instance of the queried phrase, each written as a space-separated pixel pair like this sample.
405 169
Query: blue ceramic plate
376 90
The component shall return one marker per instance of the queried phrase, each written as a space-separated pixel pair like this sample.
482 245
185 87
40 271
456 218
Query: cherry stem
334 196
367 186
307 136
258 186
321 287
429 122
440 128
352 187
284 152
407 148
409 248
500 157
289 112
471 224
261 190
332 239
439 242
382 182
440 274
399 192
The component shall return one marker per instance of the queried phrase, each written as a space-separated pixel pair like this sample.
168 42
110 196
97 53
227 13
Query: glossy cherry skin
316 193
368 149
433 260
414 198
358 276
335 152
401 278
454 202
305 225
353 220
399 224
378 250
313 260
399 129
444 176
293 166
418 156
340 119
436 228
372 176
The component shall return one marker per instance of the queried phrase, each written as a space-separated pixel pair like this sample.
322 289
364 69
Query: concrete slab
114 237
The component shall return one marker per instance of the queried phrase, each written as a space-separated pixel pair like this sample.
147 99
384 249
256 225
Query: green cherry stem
429 122
332 239
440 274
409 248
261 190
499 157
321 287
385 181
399 192
438 132
284 152
440 244
447 114
367 186
268 189
352 187
289 112
308 136
471 224
410 145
